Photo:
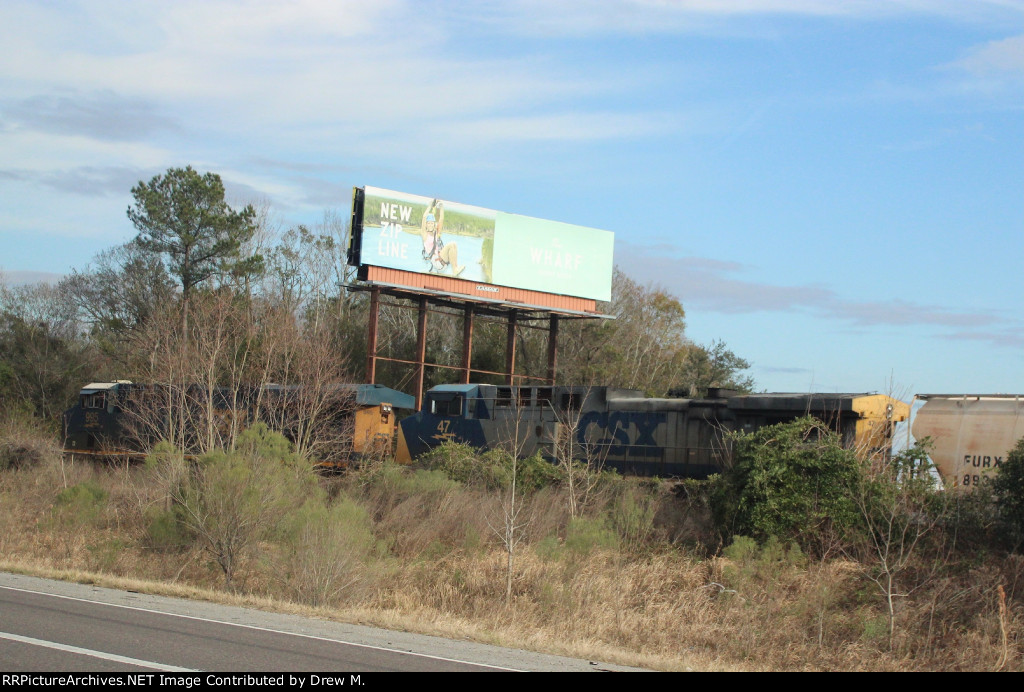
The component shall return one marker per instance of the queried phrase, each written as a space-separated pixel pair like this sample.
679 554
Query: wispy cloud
715 286
1002 56
103 115
587 17
23 278
563 127
85 180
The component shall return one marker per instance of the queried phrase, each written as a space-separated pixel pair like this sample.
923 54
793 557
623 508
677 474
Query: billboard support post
552 348
467 343
421 351
510 347
371 337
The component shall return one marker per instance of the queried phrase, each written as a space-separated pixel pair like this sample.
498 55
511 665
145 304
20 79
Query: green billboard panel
553 257
432 236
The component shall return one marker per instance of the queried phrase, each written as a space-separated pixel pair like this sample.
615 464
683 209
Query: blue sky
835 188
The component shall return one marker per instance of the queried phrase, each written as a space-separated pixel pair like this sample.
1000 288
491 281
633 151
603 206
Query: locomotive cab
92 426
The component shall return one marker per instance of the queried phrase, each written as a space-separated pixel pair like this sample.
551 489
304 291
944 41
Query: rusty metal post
421 351
552 348
371 337
467 343
510 348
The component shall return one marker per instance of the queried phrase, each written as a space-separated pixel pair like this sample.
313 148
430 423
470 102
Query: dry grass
600 588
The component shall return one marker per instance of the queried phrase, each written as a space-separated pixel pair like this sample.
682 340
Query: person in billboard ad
442 256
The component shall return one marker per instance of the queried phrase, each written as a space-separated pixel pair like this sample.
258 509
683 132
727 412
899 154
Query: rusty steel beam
421 352
371 337
552 349
467 343
459 368
510 348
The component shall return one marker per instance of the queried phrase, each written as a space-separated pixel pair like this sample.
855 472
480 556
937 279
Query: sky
834 188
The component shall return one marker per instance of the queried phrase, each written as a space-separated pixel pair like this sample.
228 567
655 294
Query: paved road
55 626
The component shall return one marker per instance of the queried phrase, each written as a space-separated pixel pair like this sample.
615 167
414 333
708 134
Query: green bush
742 549
232 500
535 472
80 504
632 512
586 534
165 529
84 494
326 551
751 567
463 464
491 469
396 480
791 481
1008 487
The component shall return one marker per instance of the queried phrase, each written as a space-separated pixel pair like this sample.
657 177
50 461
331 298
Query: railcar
627 431
122 419
970 433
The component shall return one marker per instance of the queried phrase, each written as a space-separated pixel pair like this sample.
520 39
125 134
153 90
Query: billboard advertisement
433 236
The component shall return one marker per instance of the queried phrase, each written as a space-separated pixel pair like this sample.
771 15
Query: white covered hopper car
970 433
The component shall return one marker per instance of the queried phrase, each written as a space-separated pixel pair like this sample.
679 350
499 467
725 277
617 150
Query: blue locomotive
624 430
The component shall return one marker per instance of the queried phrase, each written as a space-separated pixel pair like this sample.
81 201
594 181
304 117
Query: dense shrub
80 504
24 441
462 463
491 469
231 500
790 481
1008 486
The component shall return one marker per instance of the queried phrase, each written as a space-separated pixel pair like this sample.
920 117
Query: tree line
216 295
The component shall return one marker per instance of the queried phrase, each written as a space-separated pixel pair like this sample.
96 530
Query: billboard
432 236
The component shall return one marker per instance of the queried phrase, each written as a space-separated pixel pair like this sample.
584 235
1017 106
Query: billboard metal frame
425 302
514 307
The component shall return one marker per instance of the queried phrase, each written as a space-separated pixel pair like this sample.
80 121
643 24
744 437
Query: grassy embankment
630 579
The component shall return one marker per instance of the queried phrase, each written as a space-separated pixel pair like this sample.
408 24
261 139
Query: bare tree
580 457
237 366
901 547
514 519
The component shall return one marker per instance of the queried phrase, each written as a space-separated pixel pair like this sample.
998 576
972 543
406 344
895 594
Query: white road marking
95 654
266 629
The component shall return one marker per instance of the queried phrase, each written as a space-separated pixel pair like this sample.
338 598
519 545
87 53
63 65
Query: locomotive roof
460 388
969 396
98 387
790 401
376 394
366 394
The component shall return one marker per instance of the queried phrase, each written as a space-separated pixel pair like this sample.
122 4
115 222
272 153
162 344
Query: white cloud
588 17
27 150
21 278
1002 56
710 285
562 127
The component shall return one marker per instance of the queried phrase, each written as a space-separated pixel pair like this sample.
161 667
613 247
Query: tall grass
630 580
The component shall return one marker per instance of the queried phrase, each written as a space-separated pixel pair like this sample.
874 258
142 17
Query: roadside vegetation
890 576
801 555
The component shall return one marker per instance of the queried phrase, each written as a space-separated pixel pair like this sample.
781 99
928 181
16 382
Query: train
625 430
122 419
614 428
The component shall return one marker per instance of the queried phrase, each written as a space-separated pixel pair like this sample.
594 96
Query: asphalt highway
51 626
